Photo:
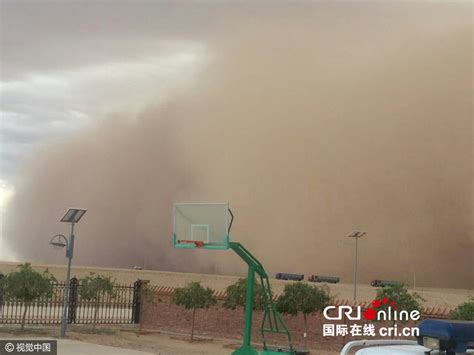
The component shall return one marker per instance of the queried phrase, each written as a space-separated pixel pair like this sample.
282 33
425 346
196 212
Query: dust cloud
312 121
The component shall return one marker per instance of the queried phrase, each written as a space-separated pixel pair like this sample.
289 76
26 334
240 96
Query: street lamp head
356 234
73 215
58 241
58 244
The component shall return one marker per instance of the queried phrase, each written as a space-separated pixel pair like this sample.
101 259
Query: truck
384 283
292 277
320 278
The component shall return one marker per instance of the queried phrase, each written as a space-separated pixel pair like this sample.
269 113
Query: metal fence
120 307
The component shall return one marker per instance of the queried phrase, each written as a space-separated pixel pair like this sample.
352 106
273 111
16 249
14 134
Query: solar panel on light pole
73 215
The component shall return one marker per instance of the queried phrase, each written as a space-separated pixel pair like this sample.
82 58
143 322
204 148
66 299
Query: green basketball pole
272 322
199 225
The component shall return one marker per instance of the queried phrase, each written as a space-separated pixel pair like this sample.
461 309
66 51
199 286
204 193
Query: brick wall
223 323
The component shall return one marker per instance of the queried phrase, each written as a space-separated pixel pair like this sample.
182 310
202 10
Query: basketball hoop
197 243
201 225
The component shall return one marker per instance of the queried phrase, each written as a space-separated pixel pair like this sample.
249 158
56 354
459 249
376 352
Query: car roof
394 350
398 350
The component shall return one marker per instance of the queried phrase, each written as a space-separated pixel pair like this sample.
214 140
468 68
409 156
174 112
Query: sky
63 64
66 66
311 118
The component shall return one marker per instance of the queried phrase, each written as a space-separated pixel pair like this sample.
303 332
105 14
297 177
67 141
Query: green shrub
464 311
194 296
27 285
236 295
93 288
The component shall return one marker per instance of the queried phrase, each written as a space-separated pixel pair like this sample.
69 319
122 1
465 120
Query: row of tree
296 298
27 285
300 298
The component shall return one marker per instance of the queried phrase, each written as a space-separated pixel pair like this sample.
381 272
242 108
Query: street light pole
67 286
355 268
356 235
73 215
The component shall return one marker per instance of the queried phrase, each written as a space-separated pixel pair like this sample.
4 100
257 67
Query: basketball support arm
271 322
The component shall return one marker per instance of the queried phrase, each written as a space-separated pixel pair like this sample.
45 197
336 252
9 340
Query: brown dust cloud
312 121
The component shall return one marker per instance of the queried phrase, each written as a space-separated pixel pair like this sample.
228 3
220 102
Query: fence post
71 317
137 288
1 297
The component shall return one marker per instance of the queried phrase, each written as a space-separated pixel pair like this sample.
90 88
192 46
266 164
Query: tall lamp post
73 215
356 235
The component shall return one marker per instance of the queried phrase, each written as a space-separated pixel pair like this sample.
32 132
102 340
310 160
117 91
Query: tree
398 296
93 288
302 298
194 296
236 295
464 311
27 285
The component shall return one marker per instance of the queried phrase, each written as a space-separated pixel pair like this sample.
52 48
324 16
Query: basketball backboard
201 225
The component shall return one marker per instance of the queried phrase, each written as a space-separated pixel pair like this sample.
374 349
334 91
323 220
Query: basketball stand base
245 350
249 350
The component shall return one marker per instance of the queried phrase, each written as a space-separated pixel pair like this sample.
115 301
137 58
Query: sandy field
127 337
435 297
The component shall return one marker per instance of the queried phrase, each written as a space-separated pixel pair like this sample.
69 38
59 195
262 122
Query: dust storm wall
311 121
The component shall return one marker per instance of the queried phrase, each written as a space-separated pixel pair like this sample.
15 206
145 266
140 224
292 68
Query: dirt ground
435 297
127 337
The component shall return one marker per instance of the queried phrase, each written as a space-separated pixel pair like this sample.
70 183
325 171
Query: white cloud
37 106
6 193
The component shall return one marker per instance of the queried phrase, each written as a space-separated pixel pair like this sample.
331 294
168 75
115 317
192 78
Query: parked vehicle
292 277
319 278
435 337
